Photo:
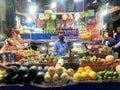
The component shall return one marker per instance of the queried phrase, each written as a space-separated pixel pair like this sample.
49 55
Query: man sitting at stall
61 46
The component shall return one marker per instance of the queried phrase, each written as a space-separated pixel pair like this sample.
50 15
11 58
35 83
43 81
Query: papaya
85 35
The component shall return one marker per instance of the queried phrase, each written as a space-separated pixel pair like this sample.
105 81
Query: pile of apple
58 73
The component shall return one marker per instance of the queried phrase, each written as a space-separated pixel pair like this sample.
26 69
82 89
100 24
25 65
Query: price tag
60 61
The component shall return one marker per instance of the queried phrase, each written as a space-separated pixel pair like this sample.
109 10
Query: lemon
80 71
80 68
3 72
84 75
87 67
77 76
93 75
88 70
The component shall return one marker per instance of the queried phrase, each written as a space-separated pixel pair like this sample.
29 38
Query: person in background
61 45
13 35
110 41
104 35
116 47
114 33
117 36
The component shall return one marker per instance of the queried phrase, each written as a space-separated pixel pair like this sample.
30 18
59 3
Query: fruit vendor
61 46
13 40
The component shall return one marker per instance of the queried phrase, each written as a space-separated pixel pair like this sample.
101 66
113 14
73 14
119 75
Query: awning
113 9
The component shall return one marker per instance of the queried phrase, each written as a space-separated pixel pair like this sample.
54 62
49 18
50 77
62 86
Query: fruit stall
93 66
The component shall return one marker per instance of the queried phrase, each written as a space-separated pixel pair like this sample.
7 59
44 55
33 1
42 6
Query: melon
118 68
109 58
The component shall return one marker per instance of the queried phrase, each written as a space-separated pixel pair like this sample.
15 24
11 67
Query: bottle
12 57
3 58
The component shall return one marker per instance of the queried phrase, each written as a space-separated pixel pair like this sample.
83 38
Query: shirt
60 48
109 41
117 37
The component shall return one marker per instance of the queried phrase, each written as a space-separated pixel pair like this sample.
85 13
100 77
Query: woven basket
97 66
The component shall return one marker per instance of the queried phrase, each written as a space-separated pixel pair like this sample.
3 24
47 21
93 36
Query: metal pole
1 17
83 6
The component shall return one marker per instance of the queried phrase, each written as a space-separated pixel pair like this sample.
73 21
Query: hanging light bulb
29 0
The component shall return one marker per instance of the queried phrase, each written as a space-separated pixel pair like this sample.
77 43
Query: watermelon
27 64
32 72
39 77
45 68
22 70
26 79
40 68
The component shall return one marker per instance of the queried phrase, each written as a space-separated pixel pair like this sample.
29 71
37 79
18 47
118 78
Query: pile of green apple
79 50
105 50
92 59
103 75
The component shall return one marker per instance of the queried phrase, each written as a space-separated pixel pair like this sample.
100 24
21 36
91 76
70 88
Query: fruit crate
100 55
15 48
79 54
18 57
97 66
93 48
45 64
85 40
39 63
113 66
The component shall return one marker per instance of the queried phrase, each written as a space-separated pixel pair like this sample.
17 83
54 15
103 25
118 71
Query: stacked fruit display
25 53
58 73
103 75
45 75
85 73
28 52
92 59
43 58
25 73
